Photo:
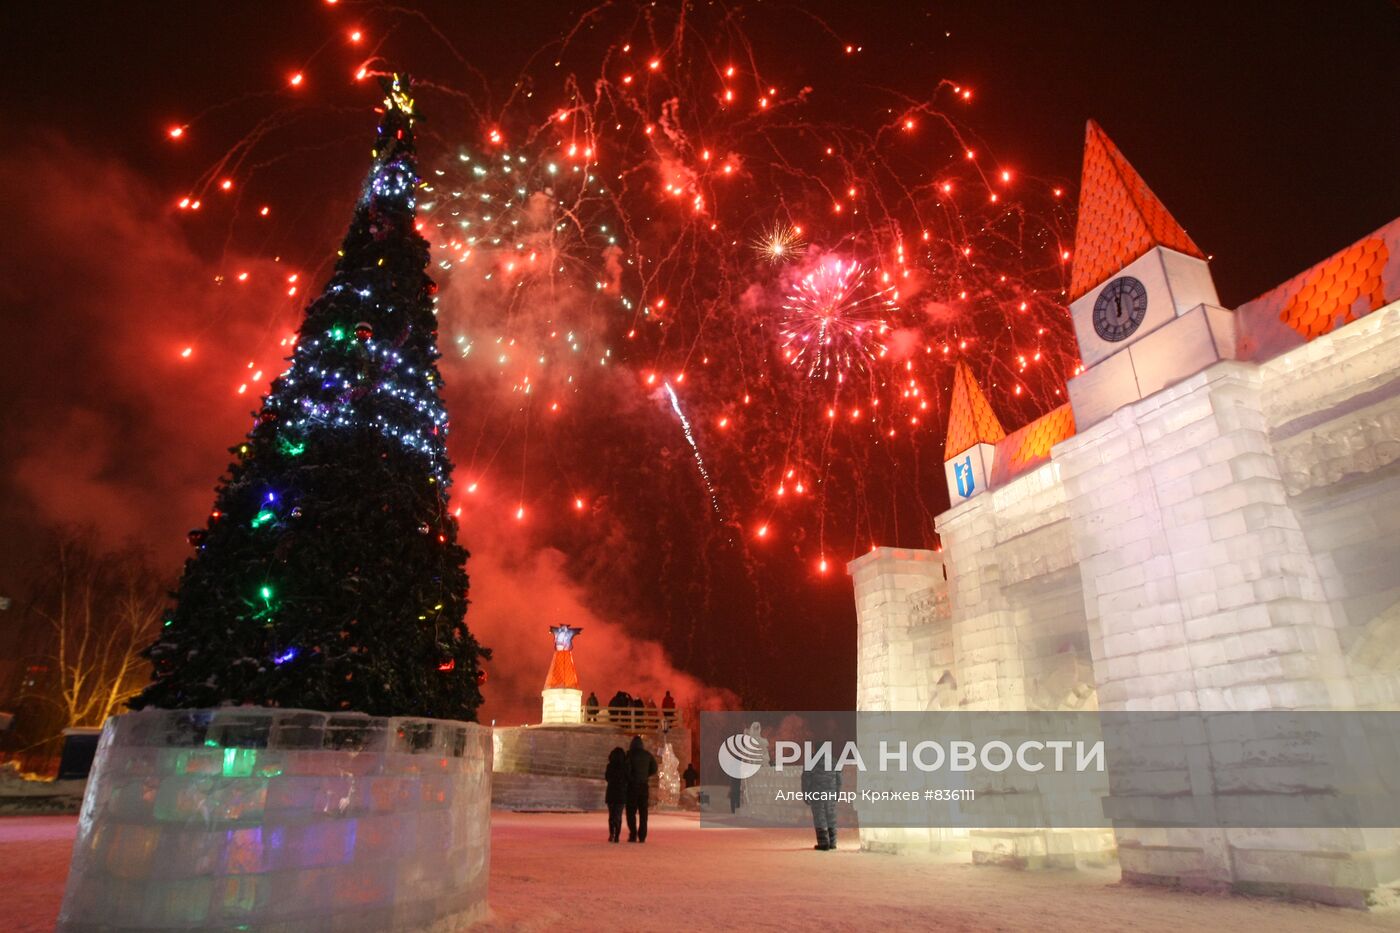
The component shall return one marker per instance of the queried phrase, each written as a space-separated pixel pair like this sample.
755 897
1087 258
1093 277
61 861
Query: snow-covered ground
555 871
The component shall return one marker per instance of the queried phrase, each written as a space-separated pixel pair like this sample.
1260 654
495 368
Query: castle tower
1201 590
562 700
1144 306
973 430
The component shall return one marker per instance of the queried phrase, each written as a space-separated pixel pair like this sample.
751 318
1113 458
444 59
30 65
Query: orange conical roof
970 416
562 672
1120 218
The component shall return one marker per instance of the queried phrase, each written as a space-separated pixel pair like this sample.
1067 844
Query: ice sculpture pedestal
561 705
282 820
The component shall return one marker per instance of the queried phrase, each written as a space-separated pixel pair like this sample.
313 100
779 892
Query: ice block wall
575 751
271 819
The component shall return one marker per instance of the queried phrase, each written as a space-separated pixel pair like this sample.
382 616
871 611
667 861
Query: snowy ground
554 871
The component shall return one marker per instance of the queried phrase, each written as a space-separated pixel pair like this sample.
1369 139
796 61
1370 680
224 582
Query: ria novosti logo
741 755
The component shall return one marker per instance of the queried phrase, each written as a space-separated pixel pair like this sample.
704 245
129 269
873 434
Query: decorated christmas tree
329 575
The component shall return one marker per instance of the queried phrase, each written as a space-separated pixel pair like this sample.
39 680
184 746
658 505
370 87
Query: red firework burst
835 320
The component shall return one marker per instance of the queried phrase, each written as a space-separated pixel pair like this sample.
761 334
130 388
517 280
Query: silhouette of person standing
641 767
616 776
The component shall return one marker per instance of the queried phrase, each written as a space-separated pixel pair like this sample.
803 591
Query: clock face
1120 308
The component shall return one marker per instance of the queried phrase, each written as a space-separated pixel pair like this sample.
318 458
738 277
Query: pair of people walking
629 777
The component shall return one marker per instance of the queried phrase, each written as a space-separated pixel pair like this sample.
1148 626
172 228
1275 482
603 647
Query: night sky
1266 128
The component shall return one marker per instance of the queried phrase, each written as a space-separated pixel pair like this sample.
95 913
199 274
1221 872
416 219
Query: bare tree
100 609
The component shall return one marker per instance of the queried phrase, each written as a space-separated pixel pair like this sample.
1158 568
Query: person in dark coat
616 776
641 768
668 707
591 707
824 783
691 777
619 708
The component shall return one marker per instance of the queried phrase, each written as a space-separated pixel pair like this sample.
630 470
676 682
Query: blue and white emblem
962 472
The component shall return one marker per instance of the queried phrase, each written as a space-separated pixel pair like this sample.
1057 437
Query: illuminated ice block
668 785
561 705
282 819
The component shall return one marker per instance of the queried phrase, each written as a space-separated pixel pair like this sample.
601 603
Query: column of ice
904 650
1202 594
1018 634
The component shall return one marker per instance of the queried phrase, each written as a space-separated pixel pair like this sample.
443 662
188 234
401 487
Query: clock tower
1141 296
